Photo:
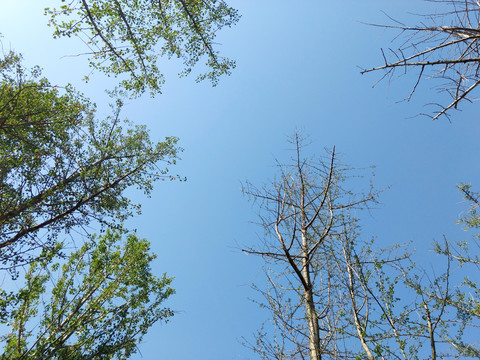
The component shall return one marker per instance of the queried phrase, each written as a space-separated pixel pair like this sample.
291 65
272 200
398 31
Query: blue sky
298 68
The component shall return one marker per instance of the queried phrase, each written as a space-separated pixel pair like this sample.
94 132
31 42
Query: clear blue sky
297 68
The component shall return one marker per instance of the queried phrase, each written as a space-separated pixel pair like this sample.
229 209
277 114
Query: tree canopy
129 37
62 172
102 301
65 171
61 167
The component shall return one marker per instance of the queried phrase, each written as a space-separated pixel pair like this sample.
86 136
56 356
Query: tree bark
313 328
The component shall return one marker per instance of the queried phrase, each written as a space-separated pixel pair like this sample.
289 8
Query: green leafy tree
129 37
96 305
461 290
60 167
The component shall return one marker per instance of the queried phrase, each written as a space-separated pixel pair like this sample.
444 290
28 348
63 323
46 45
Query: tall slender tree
303 212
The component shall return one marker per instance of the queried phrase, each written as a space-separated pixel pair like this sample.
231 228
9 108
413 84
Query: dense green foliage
61 167
129 37
61 170
97 305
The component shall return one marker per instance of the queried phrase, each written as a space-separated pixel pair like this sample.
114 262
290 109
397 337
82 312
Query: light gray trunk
358 326
313 328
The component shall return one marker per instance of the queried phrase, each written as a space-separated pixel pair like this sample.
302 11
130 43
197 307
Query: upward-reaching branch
301 212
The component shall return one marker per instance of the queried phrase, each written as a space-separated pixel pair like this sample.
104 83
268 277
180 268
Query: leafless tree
445 47
303 213
332 293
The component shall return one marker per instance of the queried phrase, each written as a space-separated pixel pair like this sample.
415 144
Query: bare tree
303 213
333 294
445 47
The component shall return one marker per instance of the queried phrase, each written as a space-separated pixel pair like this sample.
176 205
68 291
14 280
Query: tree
129 37
63 170
303 213
102 301
462 292
444 46
332 294
60 167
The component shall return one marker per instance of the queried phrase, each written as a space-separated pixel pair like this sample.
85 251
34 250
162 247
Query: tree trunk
313 329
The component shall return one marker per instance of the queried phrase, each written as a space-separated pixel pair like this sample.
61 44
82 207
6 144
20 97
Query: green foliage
101 303
129 37
63 169
60 167
463 294
472 219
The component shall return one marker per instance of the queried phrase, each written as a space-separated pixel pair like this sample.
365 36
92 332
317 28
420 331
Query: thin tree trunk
358 325
313 328
431 332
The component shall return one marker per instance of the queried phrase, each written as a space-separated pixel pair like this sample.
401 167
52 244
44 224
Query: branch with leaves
102 301
129 38
61 168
